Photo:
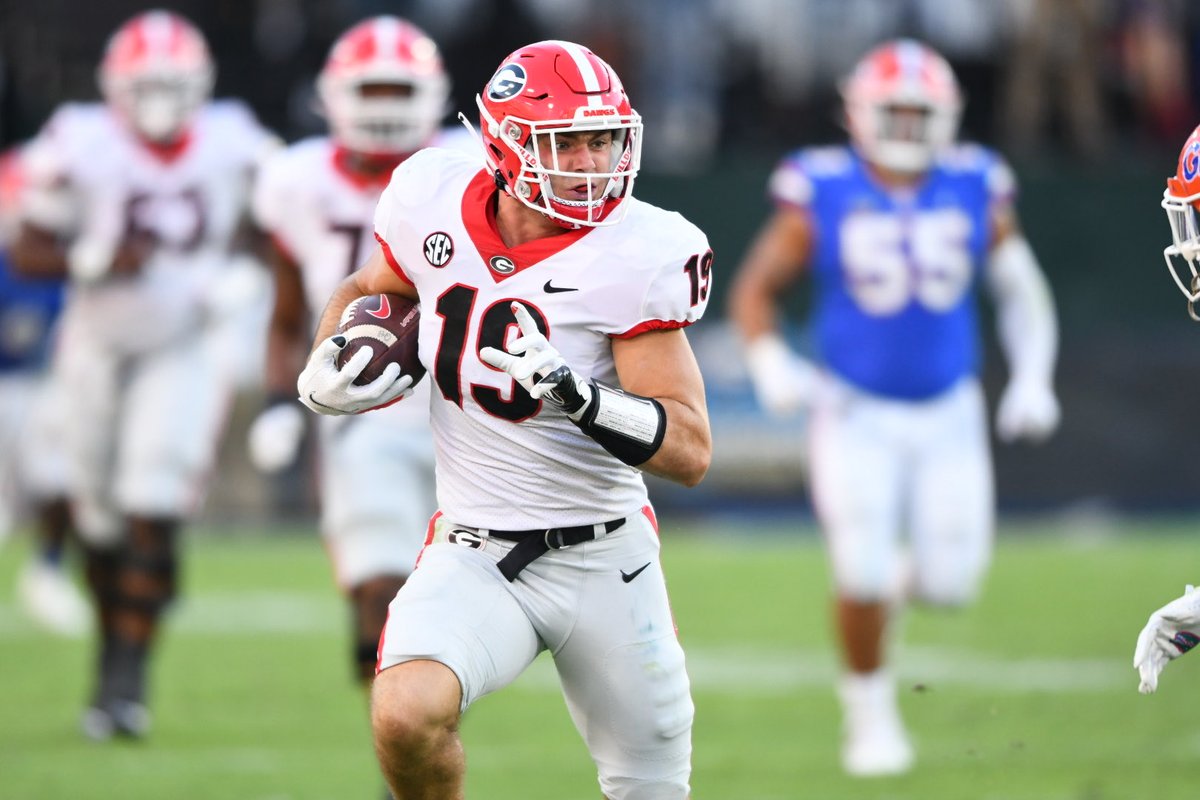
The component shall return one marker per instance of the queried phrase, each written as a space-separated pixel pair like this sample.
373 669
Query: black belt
534 543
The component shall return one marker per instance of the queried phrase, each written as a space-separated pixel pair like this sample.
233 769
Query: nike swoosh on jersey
628 576
556 289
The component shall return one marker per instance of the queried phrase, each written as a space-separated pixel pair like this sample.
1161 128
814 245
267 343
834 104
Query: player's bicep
660 364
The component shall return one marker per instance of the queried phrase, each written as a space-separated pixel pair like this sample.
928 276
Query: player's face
905 123
581 152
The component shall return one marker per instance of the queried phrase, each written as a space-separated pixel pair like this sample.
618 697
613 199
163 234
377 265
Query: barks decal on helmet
502 264
439 249
507 83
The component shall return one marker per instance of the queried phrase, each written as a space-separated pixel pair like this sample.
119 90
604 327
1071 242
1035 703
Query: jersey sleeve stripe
651 325
391 260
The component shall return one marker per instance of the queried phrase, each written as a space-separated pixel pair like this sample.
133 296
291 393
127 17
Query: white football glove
784 382
1169 633
326 390
274 437
530 357
1027 410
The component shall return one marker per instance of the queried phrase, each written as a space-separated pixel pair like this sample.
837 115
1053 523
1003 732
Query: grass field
1029 694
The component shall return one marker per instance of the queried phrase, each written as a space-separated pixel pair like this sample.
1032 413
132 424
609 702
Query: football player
385 92
899 230
138 201
32 472
1174 629
553 308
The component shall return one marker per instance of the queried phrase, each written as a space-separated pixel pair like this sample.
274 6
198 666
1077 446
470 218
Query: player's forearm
346 292
686 450
1026 323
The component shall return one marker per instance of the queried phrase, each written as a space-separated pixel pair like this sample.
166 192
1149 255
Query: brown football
388 324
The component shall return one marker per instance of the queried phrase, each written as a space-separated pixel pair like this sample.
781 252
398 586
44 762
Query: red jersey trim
479 217
391 260
167 152
651 325
360 180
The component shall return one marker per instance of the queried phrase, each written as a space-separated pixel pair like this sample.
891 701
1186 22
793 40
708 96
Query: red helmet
1180 201
384 87
902 105
156 73
552 88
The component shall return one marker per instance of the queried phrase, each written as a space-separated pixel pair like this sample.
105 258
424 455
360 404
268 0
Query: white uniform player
149 190
899 231
553 304
317 200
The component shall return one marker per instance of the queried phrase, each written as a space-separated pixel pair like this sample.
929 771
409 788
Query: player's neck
366 168
517 223
895 179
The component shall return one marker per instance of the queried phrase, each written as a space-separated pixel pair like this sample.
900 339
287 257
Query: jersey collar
479 216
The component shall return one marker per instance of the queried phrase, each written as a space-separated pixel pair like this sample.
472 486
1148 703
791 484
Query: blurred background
1089 99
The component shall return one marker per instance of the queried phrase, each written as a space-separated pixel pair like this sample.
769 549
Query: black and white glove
627 425
327 390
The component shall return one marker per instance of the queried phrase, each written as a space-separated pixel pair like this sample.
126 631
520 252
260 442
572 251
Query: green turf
1029 694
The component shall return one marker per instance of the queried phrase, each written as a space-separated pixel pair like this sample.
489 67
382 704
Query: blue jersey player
900 230
32 468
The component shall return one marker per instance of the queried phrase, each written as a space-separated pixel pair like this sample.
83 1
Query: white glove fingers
497 358
378 387
357 363
525 320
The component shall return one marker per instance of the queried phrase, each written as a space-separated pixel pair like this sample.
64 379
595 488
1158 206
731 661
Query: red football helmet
384 88
156 73
547 89
902 105
1181 199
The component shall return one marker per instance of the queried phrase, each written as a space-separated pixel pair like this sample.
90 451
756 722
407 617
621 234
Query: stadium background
727 87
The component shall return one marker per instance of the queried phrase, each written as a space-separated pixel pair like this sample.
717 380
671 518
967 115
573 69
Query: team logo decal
385 308
465 538
1191 161
507 83
439 249
502 264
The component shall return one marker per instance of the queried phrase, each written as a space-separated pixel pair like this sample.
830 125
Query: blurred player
1174 629
385 92
553 304
32 470
899 230
138 201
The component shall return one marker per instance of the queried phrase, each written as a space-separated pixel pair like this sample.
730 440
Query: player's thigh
953 504
457 609
857 474
91 381
377 495
177 400
623 672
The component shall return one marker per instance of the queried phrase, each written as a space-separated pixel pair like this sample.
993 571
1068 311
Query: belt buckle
554 538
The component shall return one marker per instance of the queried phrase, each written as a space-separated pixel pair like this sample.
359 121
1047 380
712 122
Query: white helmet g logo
507 83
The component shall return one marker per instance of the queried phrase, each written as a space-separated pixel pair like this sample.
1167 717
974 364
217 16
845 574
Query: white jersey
505 460
190 200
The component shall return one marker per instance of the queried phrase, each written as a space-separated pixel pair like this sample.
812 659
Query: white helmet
384 88
156 73
902 105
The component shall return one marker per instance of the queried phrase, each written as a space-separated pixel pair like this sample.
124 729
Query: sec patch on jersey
388 324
